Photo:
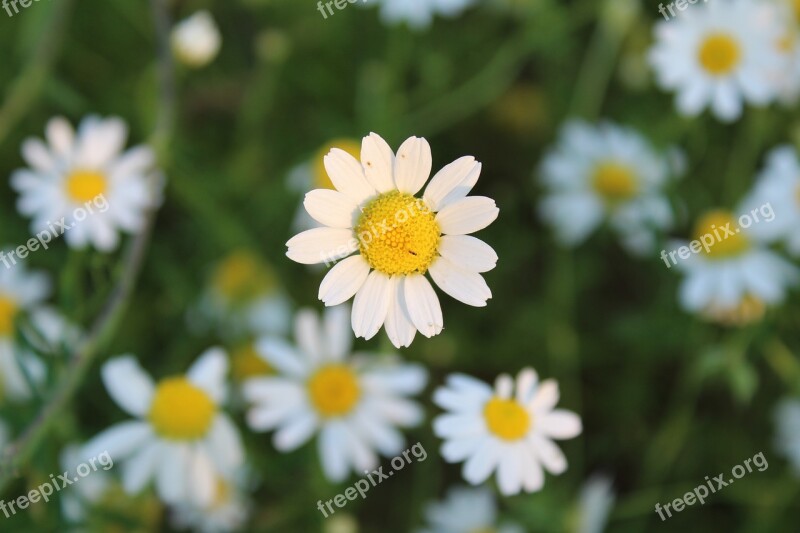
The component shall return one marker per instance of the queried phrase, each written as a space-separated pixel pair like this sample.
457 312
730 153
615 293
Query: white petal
225 444
468 252
509 474
377 159
202 479
120 440
333 452
347 175
295 432
172 478
338 334
209 372
60 135
282 356
412 166
545 397
551 455
560 424
141 468
308 334
463 285
343 280
423 305
399 328
37 155
371 305
100 143
321 245
128 384
481 465
452 182
467 215
331 208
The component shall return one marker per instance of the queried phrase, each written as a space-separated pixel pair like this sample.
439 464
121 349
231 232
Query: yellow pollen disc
398 234
334 390
614 182
85 185
246 363
8 310
717 224
180 410
321 179
749 311
506 419
241 276
719 54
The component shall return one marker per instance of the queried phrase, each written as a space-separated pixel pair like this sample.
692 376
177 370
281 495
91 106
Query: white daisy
787 438
353 403
737 279
77 502
86 180
500 429
778 186
605 172
596 501
398 237
466 510
228 511
419 13
718 54
20 292
196 40
181 437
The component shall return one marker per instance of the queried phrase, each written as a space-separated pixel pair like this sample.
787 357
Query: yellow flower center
241 277
180 410
85 185
507 419
8 310
321 179
749 311
719 54
720 225
398 234
334 390
247 363
614 182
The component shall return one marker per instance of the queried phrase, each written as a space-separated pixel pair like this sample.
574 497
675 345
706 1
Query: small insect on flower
504 430
398 237
181 438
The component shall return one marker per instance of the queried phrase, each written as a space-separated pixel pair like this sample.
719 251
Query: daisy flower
196 40
20 292
605 172
735 281
398 237
718 55
778 185
504 430
466 510
228 511
85 180
419 13
354 403
180 438
787 439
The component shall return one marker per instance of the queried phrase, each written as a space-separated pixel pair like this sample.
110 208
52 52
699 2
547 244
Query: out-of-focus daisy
398 237
196 40
227 512
243 298
20 291
340 523
596 500
78 502
181 437
605 172
787 437
718 55
419 13
353 403
503 429
735 281
86 179
788 44
466 510
778 185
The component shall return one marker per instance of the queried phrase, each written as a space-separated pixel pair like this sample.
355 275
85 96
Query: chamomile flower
778 186
181 438
419 13
466 510
738 278
719 55
504 430
605 172
787 438
20 292
196 40
353 403
227 512
398 237
85 180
